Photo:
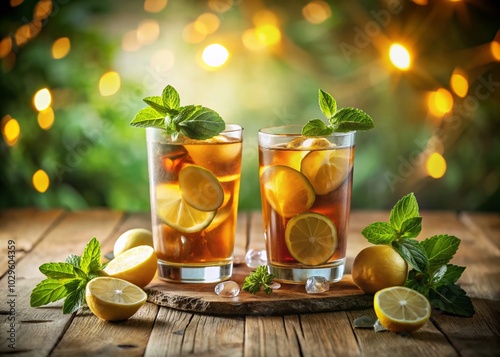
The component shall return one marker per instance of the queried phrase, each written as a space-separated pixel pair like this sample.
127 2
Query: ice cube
309 143
317 284
255 258
227 289
275 285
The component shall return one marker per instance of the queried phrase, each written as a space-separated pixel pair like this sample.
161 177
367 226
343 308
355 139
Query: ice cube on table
317 284
255 258
275 285
227 289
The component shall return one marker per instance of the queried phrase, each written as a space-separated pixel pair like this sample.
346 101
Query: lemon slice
113 299
401 309
327 169
287 190
311 238
175 212
200 188
137 265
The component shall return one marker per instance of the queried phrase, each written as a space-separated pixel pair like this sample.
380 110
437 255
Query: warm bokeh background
73 74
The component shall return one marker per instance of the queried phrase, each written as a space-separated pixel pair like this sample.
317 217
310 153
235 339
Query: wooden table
43 236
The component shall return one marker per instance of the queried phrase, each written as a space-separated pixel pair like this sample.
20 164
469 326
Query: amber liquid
214 244
335 205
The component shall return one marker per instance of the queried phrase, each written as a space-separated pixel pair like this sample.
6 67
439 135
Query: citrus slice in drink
113 299
401 309
287 190
175 212
311 238
326 169
137 265
200 188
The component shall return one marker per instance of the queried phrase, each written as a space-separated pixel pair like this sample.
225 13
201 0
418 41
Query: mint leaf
49 290
379 233
316 127
170 97
351 119
91 257
327 104
58 270
149 117
438 275
411 251
411 227
203 124
157 104
440 249
257 280
73 260
186 113
75 298
405 208
451 276
452 299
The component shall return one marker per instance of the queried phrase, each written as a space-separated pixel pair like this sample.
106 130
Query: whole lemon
378 267
132 238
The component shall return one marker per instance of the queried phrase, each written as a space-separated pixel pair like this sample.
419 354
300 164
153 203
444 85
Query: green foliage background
94 158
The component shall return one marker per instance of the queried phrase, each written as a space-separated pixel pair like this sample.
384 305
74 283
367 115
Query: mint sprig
342 120
258 280
432 273
67 280
165 112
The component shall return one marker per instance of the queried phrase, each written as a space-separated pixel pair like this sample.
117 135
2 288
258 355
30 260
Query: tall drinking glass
194 190
306 197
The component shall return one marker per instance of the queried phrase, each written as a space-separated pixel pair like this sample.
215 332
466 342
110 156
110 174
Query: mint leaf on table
165 112
342 120
67 280
258 280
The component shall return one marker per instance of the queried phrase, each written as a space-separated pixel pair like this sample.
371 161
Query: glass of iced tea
194 189
305 187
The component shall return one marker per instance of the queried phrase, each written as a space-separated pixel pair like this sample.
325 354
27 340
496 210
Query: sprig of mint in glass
432 274
342 120
165 112
67 280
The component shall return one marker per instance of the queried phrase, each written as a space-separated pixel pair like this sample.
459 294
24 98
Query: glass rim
281 131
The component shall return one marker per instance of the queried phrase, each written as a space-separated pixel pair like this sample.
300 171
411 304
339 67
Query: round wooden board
289 299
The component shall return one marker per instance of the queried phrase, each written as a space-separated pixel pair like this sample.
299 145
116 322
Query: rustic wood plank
427 341
485 226
25 227
178 333
89 336
40 329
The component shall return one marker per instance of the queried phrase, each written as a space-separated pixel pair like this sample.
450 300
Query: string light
440 102
61 48
10 130
459 84
46 118
316 12
109 83
42 99
215 55
399 56
41 181
436 165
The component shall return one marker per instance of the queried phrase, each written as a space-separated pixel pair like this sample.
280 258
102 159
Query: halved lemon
287 190
200 188
113 299
311 238
327 169
137 265
401 309
175 212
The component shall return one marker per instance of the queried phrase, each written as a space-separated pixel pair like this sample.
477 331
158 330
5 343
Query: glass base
299 275
193 273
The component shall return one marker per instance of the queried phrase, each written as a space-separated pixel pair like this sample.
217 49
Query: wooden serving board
289 299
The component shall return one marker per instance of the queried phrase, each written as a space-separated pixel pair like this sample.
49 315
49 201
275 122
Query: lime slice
311 238
287 190
200 188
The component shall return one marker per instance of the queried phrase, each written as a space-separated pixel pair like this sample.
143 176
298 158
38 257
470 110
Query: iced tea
194 187
306 195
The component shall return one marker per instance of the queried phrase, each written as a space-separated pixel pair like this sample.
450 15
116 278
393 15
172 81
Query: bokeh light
10 130
148 32
15 3
459 83
130 42
316 12
440 102
42 99
154 5
268 34
192 34
400 56
215 55
109 83
41 181
495 50
46 118
5 46
207 23
61 47
220 5
436 165
421 2
42 10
